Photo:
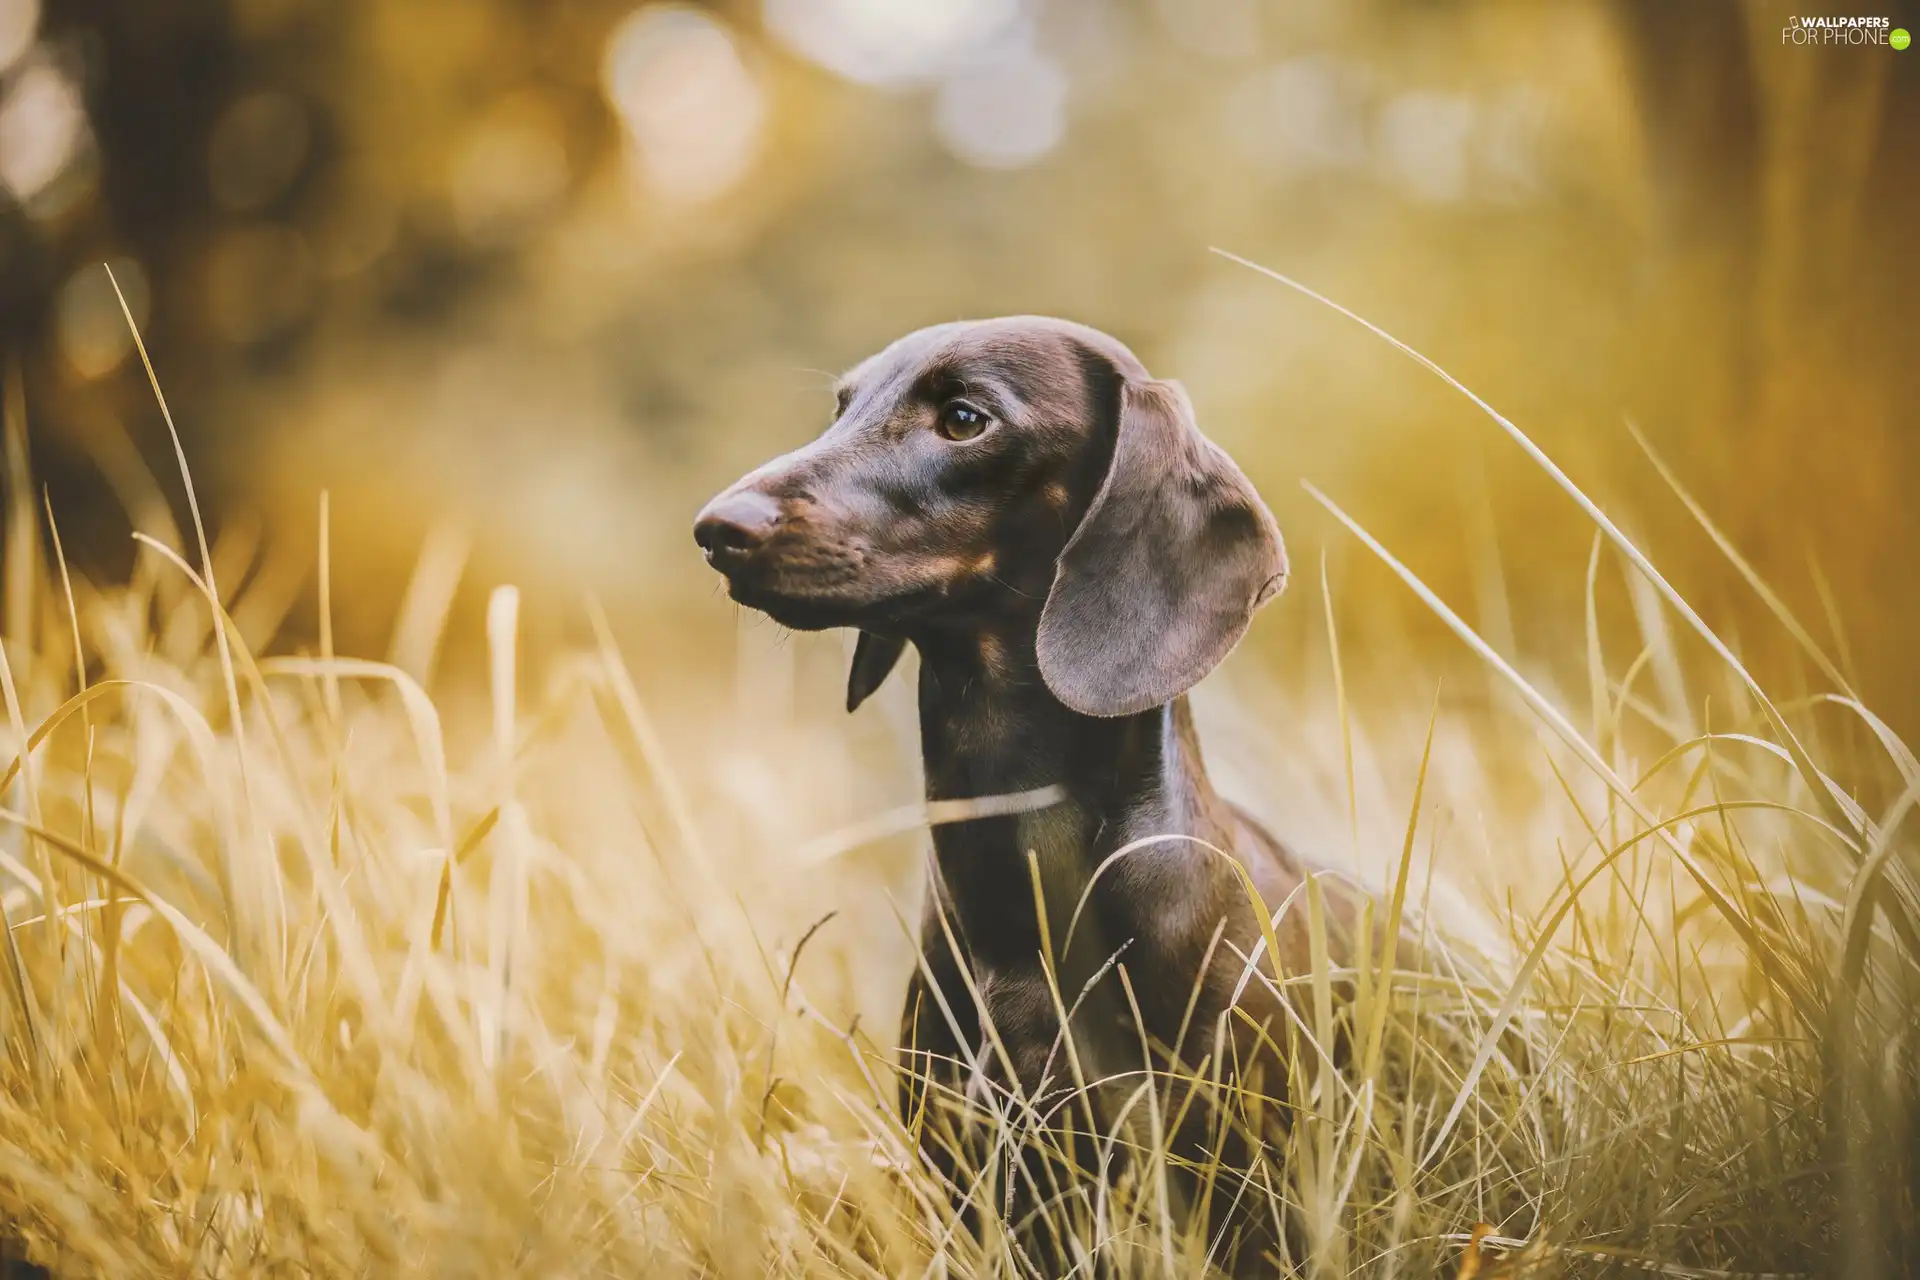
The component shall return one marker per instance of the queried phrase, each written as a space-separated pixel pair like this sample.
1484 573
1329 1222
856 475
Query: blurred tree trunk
154 77
1785 183
1693 74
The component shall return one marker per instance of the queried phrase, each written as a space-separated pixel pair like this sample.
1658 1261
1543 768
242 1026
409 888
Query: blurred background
520 283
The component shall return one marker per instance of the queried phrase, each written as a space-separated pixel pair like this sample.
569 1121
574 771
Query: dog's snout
735 524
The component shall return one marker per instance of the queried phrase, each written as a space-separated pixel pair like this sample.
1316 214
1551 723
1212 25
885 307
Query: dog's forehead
903 356
1041 347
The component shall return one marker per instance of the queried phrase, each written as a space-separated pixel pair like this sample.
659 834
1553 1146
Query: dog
1043 521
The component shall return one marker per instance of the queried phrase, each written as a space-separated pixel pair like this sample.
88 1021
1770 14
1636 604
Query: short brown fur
1066 572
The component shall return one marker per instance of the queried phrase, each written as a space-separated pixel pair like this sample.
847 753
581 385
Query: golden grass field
315 969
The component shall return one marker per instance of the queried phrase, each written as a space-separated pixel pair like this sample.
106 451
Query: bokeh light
1222 29
1300 116
1424 144
19 19
1005 112
90 325
884 43
692 109
508 171
43 128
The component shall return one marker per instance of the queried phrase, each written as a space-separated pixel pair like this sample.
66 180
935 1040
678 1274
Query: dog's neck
989 726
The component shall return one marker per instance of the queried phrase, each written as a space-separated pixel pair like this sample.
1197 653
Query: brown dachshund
1043 521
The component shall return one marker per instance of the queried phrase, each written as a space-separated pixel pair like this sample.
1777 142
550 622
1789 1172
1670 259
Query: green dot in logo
1899 38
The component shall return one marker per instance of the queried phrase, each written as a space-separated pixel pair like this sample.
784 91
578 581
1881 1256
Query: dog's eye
961 421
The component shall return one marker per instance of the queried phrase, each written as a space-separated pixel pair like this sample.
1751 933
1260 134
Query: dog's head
1020 471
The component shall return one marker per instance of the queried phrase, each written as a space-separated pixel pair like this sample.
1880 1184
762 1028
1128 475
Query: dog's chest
1019 1006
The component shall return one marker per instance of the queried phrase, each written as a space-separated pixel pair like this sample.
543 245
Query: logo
1827 30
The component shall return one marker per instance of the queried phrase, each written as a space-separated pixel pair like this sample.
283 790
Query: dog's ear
873 657
1162 577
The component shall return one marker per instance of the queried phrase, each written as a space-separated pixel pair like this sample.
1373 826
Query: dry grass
300 980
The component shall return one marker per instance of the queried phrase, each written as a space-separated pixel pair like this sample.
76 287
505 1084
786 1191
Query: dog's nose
735 524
